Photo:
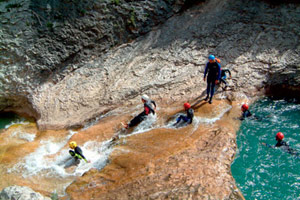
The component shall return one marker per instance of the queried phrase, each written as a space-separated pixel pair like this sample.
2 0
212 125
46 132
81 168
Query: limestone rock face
67 75
20 193
42 41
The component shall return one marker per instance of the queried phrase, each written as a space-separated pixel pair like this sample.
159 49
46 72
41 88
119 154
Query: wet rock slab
20 193
169 163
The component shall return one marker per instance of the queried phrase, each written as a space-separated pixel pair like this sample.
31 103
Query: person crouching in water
245 112
77 153
149 107
188 118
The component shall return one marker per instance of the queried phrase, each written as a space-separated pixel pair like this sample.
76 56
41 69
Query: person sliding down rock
188 118
149 108
77 153
213 71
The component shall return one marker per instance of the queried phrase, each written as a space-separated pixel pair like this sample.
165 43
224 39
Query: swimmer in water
282 144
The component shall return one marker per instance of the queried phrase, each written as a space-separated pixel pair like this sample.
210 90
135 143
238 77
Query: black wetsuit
246 114
148 108
213 71
282 144
223 75
188 118
286 147
78 151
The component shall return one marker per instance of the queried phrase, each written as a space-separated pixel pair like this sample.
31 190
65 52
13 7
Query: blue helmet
211 57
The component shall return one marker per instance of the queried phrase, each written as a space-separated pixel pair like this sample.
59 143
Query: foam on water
17 121
146 125
29 137
216 118
52 159
41 159
201 120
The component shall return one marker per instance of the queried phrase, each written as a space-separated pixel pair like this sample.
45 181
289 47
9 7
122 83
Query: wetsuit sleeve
229 72
226 70
206 69
248 113
268 145
153 102
244 115
191 115
147 110
219 71
79 151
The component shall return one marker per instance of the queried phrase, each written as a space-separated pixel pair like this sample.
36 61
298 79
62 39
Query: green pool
262 172
6 119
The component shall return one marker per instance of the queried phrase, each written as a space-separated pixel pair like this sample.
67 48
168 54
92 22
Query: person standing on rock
149 107
213 72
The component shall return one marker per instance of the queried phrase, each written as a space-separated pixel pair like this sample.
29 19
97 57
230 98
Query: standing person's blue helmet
211 57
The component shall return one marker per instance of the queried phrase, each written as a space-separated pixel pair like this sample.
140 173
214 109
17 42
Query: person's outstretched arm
205 71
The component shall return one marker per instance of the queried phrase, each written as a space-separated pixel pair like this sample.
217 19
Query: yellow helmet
72 145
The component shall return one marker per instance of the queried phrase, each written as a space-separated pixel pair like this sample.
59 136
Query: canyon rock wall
64 73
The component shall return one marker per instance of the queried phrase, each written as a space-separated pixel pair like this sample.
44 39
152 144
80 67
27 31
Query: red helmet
245 107
279 136
186 106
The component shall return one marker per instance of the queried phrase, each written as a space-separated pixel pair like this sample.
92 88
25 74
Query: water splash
16 122
52 159
19 134
146 125
200 120
218 116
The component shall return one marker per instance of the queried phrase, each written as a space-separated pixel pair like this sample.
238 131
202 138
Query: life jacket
149 107
75 155
218 60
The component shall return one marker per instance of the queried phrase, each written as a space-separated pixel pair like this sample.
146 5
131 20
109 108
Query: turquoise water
262 172
6 119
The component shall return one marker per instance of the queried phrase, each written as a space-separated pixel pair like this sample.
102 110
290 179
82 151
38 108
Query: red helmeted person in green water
280 143
246 113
